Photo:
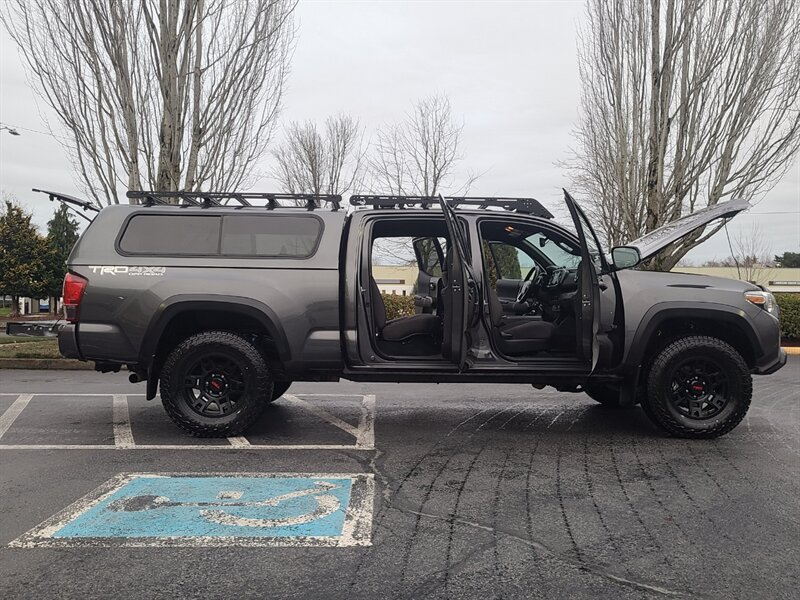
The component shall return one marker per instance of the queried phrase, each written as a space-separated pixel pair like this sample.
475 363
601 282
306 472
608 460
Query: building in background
777 279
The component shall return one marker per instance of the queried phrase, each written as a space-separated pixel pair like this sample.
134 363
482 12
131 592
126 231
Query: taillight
74 286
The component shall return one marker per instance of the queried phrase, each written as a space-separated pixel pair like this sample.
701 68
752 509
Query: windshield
559 252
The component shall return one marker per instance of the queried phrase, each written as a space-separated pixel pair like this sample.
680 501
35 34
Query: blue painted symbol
157 506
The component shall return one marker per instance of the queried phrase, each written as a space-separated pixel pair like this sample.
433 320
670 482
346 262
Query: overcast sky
509 69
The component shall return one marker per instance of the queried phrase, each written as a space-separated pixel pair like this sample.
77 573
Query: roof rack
212 199
528 206
71 202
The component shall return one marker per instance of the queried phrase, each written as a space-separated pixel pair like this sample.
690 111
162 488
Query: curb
792 350
49 364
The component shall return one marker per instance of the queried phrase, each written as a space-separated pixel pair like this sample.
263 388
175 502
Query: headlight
763 299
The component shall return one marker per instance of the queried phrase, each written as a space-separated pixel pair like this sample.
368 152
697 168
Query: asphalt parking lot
475 491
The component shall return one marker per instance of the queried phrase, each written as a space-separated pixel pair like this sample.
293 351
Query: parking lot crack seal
582 566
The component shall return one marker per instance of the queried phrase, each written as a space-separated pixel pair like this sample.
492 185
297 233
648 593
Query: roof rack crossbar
529 206
215 199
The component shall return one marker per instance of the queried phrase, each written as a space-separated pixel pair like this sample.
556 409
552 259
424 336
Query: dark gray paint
315 307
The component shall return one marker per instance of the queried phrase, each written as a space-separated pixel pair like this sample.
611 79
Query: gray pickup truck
225 299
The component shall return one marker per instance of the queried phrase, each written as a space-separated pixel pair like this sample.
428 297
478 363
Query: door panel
464 313
587 300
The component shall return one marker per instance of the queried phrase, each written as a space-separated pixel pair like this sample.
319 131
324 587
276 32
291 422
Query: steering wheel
527 283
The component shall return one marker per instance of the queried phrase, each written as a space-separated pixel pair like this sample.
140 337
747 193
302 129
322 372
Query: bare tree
684 103
158 94
751 253
329 162
417 156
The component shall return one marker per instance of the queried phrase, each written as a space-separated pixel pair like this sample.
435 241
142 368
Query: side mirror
625 257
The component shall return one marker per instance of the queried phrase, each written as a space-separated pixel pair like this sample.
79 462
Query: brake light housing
72 293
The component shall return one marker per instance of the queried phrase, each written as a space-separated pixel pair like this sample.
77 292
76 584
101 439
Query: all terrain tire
698 387
213 383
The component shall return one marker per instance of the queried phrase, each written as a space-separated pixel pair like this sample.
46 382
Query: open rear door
464 314
587 308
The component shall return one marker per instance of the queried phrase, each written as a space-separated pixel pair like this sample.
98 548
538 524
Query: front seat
518 335
401 328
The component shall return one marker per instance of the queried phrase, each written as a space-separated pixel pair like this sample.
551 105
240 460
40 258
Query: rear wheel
212 384
698 387
279 389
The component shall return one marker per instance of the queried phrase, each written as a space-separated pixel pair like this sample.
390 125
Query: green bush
790 315
398 306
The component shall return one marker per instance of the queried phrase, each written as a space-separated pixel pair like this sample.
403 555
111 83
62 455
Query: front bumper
68 342
770 365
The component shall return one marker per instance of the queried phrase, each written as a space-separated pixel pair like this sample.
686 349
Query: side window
172 235
428 258
395 271
503 261
291 237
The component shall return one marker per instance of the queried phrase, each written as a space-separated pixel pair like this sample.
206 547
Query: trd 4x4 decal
132 271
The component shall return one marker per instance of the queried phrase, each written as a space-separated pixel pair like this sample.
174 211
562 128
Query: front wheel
698 387
212 384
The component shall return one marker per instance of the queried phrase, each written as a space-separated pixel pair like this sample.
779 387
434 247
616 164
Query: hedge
790 315
398 306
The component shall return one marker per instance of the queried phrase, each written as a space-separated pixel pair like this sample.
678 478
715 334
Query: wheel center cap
697 387
216 385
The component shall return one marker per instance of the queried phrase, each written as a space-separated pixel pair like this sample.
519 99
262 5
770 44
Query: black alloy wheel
697 387
213 384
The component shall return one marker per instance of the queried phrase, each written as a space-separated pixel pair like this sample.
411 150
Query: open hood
658 239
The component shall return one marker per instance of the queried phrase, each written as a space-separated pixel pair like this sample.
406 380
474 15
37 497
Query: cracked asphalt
482 491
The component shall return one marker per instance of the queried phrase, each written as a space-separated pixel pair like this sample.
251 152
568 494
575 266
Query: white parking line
239 441
366 425
123 436
11 414
364 432
322 414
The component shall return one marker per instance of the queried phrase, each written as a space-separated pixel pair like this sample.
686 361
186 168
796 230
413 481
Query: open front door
587 307
463 313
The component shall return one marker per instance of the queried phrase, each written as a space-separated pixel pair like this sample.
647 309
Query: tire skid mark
426 496
429 491
590 487
698 460
586 567
685 491
758 439
631 504
564 518
779 434
451 531
528 511
495 519
664 507
718 444
389 495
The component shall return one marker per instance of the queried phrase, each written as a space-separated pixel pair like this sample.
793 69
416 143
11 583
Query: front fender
709 311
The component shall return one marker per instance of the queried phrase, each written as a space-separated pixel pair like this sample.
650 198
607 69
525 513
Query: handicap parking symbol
225 509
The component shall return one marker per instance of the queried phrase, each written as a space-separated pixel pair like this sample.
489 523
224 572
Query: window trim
219 254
